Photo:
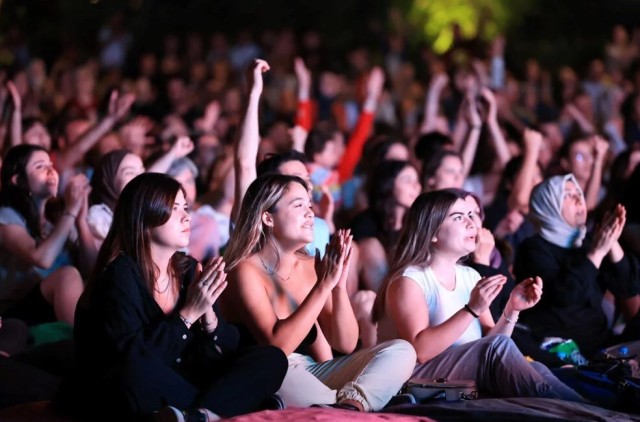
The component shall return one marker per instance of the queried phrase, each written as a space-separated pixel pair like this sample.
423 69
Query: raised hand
303 74
254 75
525 295
600 147
211 115
204 290
439 81
532 140
485 292
375 83
119 106
182 147
15 95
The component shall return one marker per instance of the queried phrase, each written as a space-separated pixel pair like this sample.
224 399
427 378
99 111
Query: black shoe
401 399
274 402
342 406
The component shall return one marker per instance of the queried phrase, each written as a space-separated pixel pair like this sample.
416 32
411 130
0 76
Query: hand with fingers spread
485 292
254 76
119 106
203 291
329 268
525 295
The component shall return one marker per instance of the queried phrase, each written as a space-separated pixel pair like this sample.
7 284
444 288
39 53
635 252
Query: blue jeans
499 370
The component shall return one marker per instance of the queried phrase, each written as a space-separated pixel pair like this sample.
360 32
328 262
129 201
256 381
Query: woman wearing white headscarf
577 269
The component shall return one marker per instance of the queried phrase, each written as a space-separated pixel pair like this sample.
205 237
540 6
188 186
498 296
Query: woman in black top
147 333
577 271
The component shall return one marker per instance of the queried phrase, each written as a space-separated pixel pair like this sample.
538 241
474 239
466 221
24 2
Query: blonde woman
279 295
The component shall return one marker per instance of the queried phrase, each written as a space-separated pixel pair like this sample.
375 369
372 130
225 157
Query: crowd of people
231 213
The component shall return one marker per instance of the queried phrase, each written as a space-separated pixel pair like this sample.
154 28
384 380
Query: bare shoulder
248 273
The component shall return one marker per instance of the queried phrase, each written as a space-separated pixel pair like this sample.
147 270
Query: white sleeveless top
442 303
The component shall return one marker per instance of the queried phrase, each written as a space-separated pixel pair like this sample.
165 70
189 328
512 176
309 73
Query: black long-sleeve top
123 321
573 289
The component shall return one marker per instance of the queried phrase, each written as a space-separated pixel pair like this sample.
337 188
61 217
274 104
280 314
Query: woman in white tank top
442 308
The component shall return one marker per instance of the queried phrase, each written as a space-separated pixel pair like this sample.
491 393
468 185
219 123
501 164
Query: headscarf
545 210
103 181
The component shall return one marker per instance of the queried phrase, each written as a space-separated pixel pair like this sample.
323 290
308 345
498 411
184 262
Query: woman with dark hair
391 190
442 308
443 170
147 329
578 268
279 295
34 284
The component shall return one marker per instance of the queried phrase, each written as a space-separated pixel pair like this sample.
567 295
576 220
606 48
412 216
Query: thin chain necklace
166 288
273 272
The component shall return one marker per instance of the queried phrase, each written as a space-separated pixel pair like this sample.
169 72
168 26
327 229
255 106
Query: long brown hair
145 203
415 247
250 235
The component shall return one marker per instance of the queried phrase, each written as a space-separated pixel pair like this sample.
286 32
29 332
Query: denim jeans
499 370
370 376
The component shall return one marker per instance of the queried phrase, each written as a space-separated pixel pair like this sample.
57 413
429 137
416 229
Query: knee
362 302
400 351
271 358
499 342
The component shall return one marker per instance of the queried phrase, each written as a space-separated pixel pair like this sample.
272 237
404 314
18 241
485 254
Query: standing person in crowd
577 268
279 295
37 284
442 308
148 332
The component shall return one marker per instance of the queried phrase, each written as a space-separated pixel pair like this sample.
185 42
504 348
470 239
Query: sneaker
273 402
342 406
171 414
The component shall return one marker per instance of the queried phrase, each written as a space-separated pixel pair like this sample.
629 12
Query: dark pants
142 386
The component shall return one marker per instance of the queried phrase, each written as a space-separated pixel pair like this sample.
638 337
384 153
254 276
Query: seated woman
36 284
204 242
577 270
279 295
442 308
392 188
147 329
112 174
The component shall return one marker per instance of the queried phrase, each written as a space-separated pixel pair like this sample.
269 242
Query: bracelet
468 309
187 321
510 321
67 213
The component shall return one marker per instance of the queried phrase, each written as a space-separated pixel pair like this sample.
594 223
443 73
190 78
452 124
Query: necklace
166 288
273 272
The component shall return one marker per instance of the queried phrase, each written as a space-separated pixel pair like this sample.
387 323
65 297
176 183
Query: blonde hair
415 247
251 235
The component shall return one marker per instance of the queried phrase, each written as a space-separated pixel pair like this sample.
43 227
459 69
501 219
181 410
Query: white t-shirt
442 303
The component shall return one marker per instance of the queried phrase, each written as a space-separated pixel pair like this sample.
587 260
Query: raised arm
180 149
303 117
468 152
16 116
88 247
248 140
601 147
523 183
502 150
356 142
432 102
72 155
